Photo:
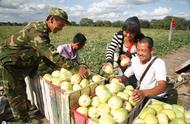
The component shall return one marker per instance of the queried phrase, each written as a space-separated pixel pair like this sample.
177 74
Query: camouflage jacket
29 46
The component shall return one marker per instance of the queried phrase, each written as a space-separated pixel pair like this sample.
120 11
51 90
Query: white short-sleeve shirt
156 72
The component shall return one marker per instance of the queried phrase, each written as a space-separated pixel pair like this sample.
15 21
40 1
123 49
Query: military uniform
20 55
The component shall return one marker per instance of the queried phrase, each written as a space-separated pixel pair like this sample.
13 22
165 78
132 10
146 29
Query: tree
144 24
188 25
99 23
159 24
86 22
117 24
181 23
25 23
73 23
107 23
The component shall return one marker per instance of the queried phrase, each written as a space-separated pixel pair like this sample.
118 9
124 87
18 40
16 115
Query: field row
93 53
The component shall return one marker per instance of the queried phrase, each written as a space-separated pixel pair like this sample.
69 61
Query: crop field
93 54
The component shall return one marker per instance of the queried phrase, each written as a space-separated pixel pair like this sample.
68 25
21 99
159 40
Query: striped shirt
117 45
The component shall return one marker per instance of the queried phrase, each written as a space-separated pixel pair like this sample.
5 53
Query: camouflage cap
60 13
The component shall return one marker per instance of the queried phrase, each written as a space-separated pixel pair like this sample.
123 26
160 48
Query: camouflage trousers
15 89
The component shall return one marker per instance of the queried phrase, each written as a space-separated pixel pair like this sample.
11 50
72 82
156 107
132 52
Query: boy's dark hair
132 24
148 40
79 38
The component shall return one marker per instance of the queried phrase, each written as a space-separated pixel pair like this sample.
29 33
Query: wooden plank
183 67
47 103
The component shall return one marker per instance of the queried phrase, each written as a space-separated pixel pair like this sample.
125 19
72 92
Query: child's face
77 46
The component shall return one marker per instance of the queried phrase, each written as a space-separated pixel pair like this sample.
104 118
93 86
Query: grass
93 53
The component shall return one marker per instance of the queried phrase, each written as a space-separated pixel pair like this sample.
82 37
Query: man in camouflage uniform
22 53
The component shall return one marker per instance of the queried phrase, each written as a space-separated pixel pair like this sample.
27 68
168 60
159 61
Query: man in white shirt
154 82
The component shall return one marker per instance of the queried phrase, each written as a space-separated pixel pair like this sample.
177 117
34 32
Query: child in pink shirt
71 51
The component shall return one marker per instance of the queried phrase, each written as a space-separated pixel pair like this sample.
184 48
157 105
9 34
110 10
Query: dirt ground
175 58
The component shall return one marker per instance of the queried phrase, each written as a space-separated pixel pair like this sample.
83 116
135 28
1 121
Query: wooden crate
145 106
134 113
62 102
38 94
46 100
81 119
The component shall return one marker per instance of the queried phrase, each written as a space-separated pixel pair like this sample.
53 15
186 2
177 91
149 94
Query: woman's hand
122 56
107 64
107 68
125 62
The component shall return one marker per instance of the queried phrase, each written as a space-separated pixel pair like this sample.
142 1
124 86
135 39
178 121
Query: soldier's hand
83 72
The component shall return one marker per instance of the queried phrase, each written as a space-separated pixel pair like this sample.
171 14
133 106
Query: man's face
143 52
58 24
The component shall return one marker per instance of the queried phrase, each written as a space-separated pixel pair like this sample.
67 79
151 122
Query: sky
112 10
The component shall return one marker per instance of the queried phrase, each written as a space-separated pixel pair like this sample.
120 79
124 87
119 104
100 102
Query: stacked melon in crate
112 103
157 112
65 88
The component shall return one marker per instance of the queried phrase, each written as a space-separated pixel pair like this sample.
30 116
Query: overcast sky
32 10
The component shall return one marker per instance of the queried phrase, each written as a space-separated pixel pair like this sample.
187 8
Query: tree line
181 23
12 23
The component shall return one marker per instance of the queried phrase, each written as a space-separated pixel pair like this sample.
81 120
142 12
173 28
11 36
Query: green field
93 53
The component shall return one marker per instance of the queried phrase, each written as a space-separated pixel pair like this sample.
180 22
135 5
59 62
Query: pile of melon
70 81
111 104
162 113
